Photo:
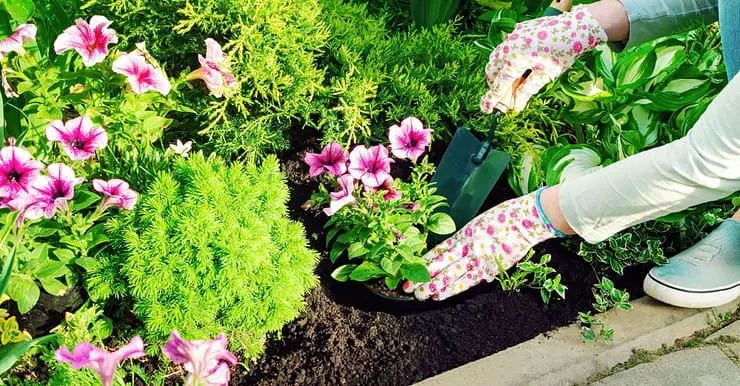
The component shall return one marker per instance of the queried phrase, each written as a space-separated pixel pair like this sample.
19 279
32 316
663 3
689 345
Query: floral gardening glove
538 50
497 239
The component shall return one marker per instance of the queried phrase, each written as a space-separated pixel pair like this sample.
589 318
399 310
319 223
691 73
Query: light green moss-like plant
210 249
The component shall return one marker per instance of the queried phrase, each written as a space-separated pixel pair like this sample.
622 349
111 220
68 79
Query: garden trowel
470 168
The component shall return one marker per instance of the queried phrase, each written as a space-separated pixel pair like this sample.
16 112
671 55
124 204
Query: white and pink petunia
55 188
206 361
216 71
388 186
14 42
17 170
101 361
142 76
79 138
371 166
410 139
115 193
343 197
89 40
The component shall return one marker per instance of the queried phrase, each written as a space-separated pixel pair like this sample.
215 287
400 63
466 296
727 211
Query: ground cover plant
194 97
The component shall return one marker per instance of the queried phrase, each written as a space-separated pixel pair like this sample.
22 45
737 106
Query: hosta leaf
669 55
646 123
572 161
634 69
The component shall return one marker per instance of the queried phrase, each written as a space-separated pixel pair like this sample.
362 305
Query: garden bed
350 336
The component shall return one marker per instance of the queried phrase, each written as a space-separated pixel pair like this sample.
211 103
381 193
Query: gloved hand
540 50
505 233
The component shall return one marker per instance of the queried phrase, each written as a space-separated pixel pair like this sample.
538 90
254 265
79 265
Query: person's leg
704 166
730 30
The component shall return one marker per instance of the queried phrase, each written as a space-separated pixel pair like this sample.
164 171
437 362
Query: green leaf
87 263
356 249
390 266
96 236
572 161
24 291
53 286
416 272
83 199
10 353
588 334
7 270
635 69
342 273
366 271
441 224
154 126
330 235
392 281
336 251
50 269
103 328
406 253
64 255
19 10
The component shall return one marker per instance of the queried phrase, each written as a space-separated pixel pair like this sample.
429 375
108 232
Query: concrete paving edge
561 357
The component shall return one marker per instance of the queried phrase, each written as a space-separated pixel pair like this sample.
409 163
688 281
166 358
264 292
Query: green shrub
210 249
273 45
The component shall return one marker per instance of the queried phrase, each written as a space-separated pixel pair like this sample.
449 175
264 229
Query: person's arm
631 22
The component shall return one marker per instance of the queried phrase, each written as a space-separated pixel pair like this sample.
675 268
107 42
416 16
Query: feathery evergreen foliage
210 249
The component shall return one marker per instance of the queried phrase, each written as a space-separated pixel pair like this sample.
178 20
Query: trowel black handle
478 158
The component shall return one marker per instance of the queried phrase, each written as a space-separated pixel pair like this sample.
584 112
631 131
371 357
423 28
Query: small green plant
533 275
210 249
606 297
623 250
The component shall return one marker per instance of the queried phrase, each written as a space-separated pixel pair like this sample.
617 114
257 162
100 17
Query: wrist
612 18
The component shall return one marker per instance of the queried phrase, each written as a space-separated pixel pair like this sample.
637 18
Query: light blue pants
701 167
729 16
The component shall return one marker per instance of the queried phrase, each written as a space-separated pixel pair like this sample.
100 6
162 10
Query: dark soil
350 336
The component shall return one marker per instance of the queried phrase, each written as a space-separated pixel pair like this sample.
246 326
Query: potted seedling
379 224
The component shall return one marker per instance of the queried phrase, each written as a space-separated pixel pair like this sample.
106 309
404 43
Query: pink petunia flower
342 197
56 188
79 138
216 71
116 193
89 40
28 206
14 42
17 170
142 76
391 193
206 361
101 361
332 158
410 139
371 166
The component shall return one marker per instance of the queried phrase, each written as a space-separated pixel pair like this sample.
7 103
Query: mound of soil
347 335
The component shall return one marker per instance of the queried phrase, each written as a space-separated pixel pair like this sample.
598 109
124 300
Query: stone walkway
644 351
715 361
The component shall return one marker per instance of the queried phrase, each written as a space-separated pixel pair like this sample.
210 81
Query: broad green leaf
19 10
342 273
50 269
7 271
96 236
570 162
87 263
10 353
53 286
646 122
103 328
441 224
336 251
390 266
24 291
669 55
634 69
366 271
356 249
682 86
83 199
416 272
406 253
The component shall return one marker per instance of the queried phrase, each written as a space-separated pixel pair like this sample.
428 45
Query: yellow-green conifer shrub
210 249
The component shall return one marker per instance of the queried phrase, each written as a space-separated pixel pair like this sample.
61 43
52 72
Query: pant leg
729 24
703 166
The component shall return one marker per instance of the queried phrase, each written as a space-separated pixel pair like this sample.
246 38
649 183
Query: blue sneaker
705 275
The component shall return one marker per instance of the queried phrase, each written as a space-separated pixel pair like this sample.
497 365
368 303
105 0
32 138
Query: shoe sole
688 299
